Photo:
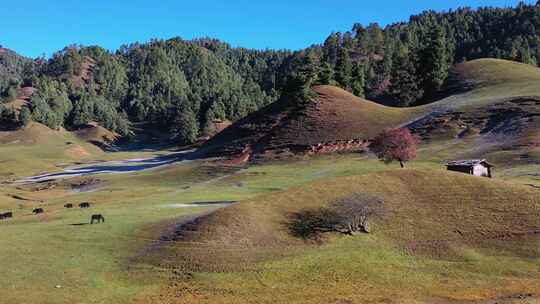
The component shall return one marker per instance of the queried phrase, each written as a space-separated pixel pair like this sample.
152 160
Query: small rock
58 286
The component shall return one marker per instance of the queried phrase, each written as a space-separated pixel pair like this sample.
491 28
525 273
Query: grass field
95 263
117 262
444 237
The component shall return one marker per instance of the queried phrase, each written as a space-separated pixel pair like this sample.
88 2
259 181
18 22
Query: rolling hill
493 112
496 116
37 147
435 227
289 126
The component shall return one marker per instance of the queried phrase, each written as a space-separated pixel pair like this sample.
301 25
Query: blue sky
35 27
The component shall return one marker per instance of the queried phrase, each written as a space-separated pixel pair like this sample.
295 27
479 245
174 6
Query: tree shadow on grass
310 224
348 215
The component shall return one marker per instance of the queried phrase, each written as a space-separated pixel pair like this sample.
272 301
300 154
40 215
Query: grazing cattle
7 215
2 217
97 217
84 205
68 206
38 210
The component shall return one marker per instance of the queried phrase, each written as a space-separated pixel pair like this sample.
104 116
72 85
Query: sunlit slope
497 117
36 147
441 235
486 81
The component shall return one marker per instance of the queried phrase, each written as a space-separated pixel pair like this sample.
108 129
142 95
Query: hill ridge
290 126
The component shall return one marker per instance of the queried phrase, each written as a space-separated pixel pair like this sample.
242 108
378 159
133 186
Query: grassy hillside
497 117
486 81
36 148
97 135
102 263
442 236
289 125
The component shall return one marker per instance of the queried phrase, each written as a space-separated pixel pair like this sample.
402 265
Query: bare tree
354 212
350 215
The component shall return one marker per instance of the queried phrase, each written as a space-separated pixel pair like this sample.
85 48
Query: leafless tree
350 215
353 213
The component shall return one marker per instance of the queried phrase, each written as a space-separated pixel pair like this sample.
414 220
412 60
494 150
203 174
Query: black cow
38 210
68 206
2 217
97 217
7 215
84 205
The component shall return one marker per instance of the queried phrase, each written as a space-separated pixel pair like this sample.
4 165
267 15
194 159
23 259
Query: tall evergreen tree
331 48
404 84
358 80
435 61
326 74
185 128
307 72
344 69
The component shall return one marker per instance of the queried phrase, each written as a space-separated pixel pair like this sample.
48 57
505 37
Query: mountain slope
496 117
487 81
290 126
11 67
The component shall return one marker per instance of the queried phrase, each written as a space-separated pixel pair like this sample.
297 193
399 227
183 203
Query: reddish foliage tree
395 145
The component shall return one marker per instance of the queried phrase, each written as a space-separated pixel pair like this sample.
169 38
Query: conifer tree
185 128
344 69
404 84
435 61
331 48
358 80
326 74
306 75
25 116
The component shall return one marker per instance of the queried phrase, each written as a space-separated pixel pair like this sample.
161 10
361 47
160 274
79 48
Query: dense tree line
183 86
409 62
178 86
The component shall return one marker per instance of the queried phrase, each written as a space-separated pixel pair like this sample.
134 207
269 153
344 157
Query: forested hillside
182 87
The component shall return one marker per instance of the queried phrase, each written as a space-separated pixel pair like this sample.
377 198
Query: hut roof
469 163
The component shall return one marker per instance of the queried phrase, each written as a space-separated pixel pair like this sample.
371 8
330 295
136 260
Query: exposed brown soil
23 96
86 73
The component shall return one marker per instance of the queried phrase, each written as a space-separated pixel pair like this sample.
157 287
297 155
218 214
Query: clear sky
35 27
